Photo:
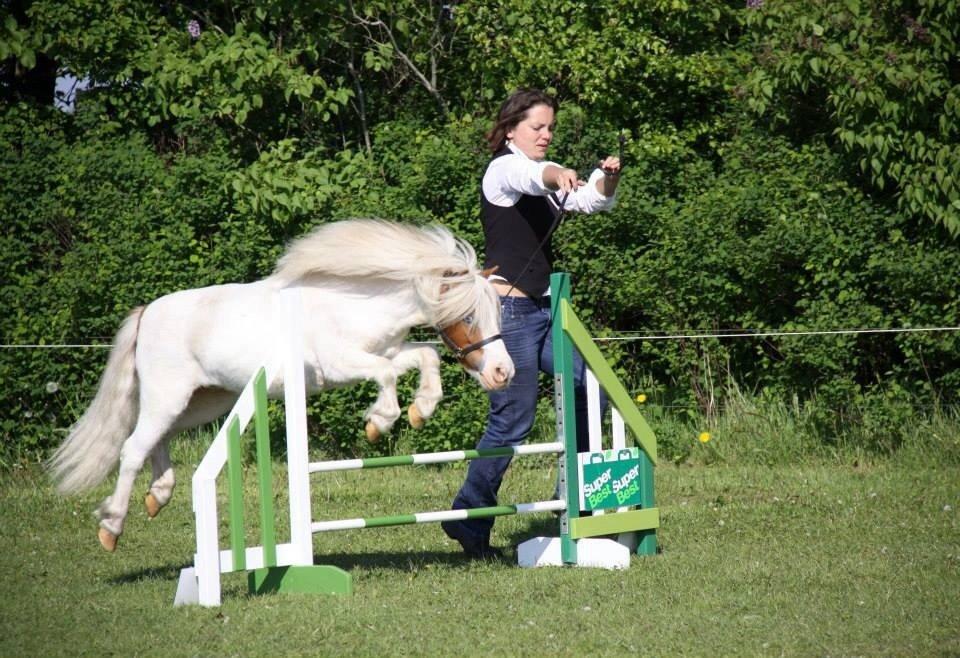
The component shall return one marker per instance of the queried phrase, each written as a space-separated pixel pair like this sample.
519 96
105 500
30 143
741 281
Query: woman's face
534 132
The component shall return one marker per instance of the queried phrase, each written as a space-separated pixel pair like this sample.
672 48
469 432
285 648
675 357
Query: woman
521 195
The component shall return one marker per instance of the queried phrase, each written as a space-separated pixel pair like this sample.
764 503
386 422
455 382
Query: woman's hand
610 166
561 178
568 181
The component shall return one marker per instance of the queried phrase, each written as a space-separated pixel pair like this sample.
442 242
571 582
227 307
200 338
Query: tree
25 73
882 77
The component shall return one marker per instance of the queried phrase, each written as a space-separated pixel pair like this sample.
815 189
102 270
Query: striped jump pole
437 458
436 517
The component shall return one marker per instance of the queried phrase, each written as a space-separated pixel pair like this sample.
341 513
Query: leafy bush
80 207
770 241
879 78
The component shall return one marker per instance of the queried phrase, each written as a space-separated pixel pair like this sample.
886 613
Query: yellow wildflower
642 398
704 437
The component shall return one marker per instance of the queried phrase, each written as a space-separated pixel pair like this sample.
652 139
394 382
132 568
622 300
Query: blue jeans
526 330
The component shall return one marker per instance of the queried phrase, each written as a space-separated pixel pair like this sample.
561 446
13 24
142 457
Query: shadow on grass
369 561
165 572
407 560
404 561
397 561
544 526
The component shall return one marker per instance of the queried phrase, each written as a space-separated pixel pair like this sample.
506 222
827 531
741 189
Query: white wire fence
622 336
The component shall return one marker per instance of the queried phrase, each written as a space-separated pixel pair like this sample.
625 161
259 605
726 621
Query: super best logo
609 479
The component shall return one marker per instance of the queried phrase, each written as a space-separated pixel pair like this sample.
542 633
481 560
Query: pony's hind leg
206 404
163 481
113 510
158 410
430 389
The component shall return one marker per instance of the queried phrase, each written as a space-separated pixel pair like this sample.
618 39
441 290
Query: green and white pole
434 457
299 574
645 520
583 538
436 517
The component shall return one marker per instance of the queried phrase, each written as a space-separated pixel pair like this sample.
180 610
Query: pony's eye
468 320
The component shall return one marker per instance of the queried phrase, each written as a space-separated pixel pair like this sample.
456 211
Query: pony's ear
489 271
449 274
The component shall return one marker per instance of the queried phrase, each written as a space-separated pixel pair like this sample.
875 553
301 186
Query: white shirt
511 176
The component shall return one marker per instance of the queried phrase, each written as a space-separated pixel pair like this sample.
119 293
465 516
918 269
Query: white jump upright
277 567
295 405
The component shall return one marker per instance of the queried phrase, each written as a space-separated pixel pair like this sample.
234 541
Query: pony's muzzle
502 376
498 376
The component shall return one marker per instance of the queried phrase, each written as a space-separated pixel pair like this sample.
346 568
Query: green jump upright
566 416
569 334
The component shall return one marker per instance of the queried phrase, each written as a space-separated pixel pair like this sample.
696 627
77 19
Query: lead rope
556 220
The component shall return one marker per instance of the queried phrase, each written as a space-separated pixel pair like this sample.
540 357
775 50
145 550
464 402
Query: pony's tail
92 448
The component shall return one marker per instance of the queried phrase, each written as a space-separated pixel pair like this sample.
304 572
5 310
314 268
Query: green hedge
758 234
774 240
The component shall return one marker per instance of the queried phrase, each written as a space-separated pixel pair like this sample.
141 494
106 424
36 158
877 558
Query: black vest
512 236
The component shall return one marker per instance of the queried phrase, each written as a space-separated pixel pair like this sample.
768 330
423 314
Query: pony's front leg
430 389
383 413
385 410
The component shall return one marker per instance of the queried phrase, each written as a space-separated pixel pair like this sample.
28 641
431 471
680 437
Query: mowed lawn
817 559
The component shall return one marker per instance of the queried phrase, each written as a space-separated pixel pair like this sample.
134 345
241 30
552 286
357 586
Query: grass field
820 559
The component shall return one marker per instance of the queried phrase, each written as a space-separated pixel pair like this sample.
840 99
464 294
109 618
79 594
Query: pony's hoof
373 434
415 417
108 540
153 506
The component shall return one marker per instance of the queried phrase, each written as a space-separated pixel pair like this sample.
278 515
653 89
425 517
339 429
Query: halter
461 352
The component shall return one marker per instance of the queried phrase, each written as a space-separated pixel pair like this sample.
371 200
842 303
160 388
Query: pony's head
475 338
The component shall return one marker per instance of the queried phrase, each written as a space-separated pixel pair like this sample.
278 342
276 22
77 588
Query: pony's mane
443 268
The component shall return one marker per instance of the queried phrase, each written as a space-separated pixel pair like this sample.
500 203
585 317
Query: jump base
188 592
317 579
600 553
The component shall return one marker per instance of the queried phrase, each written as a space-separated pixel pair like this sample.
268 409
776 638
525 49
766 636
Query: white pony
182 360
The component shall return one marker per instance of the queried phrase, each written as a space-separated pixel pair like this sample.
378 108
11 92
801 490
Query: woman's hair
513 111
